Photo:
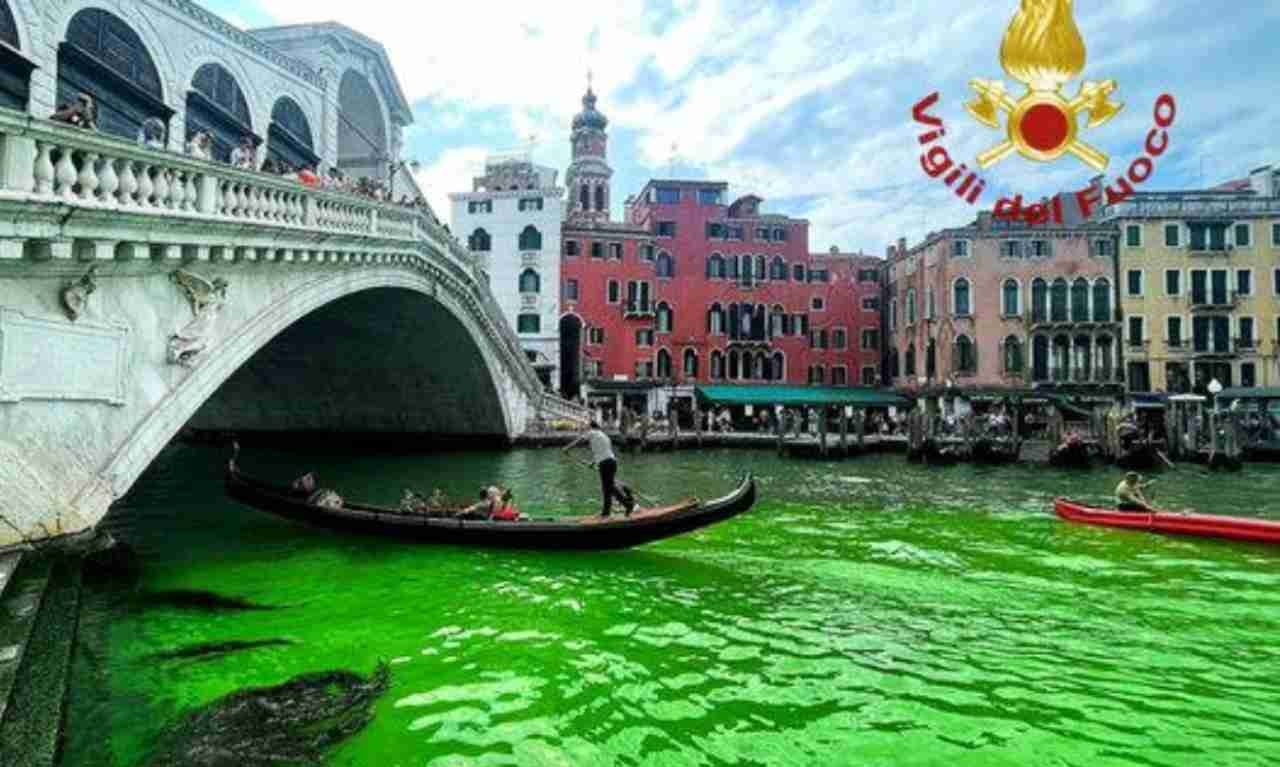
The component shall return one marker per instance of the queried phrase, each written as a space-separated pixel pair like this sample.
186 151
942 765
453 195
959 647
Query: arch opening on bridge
362 129
382 361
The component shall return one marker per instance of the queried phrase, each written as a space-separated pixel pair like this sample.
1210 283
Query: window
1275 282
597 250
1040 249
1039 300
909 362
593 369
529 203
1133 236
1012 356
819 275
1172 282
779 234
761 269
715 267
613 292
1080 300
595 336
1245 339
666 196
644 337
638 297
839 376
1208 236
745 271
1012 301
1058 296
479 241
893 314
959 248
778 269
1136 335
1040 358
690 363
665 266
708 196
530 283
528 323
644 369
911 306
715 320
868 275
762 234
929 305
1244 235
1102 300
1248 375
664 363
817 304
870 339
530 238
715 231
966 361
1135 282
1172 235
665 318
733 232
483 206
647 253
797 272
615 251
717 365
870 304
1102 248
1173 332
1275 235
1244 282
571 248
960 298
571 290
838 339
666 229
817 374
1011 249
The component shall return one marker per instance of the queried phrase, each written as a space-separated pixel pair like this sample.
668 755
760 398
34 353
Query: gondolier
606 462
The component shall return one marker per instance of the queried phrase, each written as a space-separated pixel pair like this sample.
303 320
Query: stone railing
59 168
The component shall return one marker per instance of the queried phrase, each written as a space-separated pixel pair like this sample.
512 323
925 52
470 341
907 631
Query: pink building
1006 306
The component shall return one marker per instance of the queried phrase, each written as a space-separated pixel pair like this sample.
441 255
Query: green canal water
865 612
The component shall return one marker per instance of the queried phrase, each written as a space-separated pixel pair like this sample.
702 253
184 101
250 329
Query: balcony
1209 302
637 309
1209 251
1246 345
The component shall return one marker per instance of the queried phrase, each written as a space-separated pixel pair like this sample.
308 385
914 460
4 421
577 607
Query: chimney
1263 182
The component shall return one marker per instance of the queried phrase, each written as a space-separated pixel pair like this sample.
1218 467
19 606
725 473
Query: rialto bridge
142 290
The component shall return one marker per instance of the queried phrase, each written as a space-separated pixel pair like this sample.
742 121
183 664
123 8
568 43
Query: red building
693 288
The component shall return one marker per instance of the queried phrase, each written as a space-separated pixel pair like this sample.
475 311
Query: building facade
511 219
1003 305
1201 285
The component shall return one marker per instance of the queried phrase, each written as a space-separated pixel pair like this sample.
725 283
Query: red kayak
1202 525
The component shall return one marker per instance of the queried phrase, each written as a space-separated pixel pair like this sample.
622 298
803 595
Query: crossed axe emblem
1043 125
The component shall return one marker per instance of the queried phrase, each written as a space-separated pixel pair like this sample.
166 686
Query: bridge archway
363 150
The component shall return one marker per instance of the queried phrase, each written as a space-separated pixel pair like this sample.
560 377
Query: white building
511 219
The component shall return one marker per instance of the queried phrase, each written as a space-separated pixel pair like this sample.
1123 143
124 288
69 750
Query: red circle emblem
1045 127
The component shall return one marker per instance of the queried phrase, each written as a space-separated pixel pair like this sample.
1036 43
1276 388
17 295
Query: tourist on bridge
1129 496
606 462
82 114
243 156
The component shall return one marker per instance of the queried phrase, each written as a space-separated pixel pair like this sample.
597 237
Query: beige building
1200 285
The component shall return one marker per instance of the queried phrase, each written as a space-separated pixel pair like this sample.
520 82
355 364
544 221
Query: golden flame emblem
1043 50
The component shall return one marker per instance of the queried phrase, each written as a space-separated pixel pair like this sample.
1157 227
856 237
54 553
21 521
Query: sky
807 104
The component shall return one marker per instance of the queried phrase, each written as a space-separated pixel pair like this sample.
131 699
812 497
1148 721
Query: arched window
1012 356
960 298
1058 301
665 318
690 364
217 105
731 271
600 206
909 362
1040 358
1082 357
717 365
289 138
734 322
759 368
665 266
733 365
715 320
530 282
1039 300
761 269
911 306
931 359
931 309
778 269
1106 356
1102 300
779 367
777 328
746 272
797 272
715 267
664 363
966 356
584 197
1012 299
1061 359
479 241
104 57
530 238
1080 300
15 73
894 363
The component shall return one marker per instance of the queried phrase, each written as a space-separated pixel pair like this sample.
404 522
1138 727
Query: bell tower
588 176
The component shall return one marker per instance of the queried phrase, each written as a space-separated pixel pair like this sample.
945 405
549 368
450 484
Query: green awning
797 396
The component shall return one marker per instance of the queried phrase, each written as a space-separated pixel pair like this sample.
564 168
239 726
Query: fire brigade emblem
1043 50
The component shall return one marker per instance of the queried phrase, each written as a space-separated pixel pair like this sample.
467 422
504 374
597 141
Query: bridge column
17 163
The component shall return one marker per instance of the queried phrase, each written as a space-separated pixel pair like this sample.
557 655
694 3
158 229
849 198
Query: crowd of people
83 113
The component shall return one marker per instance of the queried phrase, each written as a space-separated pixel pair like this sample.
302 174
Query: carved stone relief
207 299
75 295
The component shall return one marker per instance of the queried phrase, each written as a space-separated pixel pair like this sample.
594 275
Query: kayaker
606 462
1129 496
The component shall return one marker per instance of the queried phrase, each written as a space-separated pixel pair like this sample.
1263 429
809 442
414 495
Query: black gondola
589 533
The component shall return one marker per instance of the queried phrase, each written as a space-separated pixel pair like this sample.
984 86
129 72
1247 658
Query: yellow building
1199 276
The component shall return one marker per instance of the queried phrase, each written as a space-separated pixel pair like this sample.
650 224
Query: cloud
452 171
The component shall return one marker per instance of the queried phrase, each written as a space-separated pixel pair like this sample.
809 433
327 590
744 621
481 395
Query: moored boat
581 533
1201 525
